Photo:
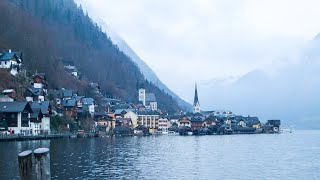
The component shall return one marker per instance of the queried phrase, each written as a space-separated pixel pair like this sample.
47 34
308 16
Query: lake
262 156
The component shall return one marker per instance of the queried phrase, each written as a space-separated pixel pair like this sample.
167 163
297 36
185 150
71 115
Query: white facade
142 96
149 121
37 85
45 127
153 106
196 108
91 109
19 129
163 124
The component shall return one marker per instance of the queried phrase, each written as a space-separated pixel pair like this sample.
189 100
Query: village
45 110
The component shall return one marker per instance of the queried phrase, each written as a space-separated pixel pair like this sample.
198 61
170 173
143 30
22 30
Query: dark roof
148 113
35 113
150 97
77 98
88 101
35 91
14 106
7 56
68 103
43 105
42 75
196 99
67 93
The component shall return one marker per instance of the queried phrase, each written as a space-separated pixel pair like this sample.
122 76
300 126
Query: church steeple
196 104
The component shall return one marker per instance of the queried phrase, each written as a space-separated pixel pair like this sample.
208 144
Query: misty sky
185 41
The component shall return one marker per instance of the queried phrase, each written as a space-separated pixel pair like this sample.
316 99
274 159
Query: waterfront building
196 103
184 122
46 111
149 119
17 116
163 124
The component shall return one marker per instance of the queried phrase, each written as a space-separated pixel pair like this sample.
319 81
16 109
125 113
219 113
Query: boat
81 134
173 133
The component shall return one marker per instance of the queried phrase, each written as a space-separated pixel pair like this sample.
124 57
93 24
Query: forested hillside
49 32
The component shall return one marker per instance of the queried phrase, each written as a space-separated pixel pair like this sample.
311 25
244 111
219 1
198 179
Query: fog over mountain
286 91
148 73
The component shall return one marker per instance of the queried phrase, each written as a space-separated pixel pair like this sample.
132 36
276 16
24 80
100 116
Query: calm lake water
265 156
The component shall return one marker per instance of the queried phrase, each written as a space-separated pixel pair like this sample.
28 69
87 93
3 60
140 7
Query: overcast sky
185 41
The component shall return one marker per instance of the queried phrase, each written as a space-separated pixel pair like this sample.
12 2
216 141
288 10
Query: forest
51 32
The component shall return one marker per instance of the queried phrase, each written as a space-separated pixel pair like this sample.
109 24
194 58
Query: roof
42 75
35 113
43 105
88 101
196 99
7 56
36 91
148 113
8 91
68 103
14 106
67 93
78 98
150 97
119 111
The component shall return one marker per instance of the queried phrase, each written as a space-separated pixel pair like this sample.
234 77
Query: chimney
9 50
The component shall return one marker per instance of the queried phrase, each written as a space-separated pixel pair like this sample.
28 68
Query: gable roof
35 113
67 93
41 75
35 91
14 106
7 56
43 105
150 97
68 103
88 101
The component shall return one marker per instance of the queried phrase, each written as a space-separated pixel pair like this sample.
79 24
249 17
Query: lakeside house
164 124
17 116
46 111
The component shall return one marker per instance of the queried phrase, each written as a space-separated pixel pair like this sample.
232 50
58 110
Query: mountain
289 92
52 32
148 73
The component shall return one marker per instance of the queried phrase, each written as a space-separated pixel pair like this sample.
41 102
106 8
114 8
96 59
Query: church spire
196 99
196 104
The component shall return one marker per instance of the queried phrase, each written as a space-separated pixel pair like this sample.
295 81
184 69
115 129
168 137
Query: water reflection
284 156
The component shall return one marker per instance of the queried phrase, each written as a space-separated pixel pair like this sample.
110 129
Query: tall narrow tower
196 104
142 96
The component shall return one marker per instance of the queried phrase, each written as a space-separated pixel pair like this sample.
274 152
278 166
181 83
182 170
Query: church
196 104
148 99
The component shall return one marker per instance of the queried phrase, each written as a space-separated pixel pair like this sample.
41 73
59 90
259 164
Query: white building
148 100
46 111
88 105
163 124
149 119
17 117
11 60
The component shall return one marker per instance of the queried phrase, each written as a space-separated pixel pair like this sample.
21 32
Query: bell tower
142 96
196 104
